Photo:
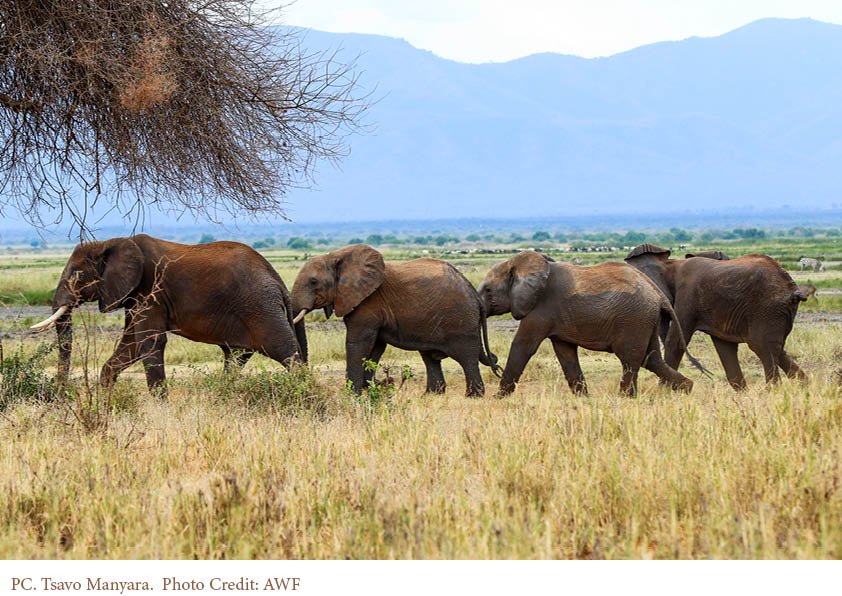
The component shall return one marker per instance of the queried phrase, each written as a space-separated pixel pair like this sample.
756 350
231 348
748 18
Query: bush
287 392
22 378
206 238
299 243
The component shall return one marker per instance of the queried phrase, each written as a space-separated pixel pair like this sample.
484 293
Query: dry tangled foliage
196 105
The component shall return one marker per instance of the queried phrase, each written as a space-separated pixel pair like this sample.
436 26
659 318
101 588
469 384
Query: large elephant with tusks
222 293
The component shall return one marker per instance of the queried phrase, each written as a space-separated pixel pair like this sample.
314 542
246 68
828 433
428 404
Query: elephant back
647 249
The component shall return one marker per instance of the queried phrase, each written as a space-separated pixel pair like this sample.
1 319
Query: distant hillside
749 120
752 118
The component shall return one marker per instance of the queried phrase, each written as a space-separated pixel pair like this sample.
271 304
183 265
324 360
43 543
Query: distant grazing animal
717 255
609 308
222 293
746 300
423 304
814 264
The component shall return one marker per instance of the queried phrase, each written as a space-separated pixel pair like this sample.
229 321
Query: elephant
814 264
422 304
609 308
222 293
750 300
808 291
709 254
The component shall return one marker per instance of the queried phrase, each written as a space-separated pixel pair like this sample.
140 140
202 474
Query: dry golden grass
541 474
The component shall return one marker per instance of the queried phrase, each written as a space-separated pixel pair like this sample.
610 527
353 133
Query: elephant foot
505 389
437 390
684 385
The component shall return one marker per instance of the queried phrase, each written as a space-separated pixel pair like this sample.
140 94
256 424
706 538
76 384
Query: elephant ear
121 270
647 249
359 270
529 272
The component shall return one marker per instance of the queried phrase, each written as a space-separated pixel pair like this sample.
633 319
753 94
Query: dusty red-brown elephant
750 300
608 308
424 305
222 293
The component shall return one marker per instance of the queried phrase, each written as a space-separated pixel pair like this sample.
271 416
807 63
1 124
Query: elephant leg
727 352
151 351
768 354
654 362
234 358
628 382
673 349
359 344
243 358
125 354
632 359
435 375
792 370
474 385
568 358
374 356
525 344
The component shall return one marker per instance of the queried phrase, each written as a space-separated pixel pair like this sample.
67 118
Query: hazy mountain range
752 118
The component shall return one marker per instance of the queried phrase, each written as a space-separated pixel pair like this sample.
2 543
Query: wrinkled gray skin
222 293
608 308
746 300
423 304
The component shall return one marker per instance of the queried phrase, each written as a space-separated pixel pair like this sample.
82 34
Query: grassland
272 465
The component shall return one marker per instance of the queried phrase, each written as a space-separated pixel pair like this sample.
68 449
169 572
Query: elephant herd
226 293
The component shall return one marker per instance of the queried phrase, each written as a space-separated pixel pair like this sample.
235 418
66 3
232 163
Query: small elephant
423 304
746 300
807 291
717 255
222 293
608 308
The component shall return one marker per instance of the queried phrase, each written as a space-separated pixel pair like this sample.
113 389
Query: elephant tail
666 307
486 356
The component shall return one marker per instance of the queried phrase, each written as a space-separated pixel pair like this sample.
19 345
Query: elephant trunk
64 300
64 334
301 336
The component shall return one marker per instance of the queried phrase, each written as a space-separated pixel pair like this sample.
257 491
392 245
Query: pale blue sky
497 30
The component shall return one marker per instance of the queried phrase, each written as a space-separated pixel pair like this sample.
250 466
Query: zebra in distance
814 264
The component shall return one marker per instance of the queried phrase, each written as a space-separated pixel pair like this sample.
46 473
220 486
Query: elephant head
515 285
339 280
107 272
655 263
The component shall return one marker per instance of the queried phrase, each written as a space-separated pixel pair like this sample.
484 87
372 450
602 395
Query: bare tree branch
193 105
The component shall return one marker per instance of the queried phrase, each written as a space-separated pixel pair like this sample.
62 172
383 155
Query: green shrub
22 377
287 392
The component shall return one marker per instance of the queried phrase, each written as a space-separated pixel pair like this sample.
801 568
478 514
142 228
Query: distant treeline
668 237
539 237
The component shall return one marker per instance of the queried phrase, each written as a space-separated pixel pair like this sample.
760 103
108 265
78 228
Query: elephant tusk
299 316
50 321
